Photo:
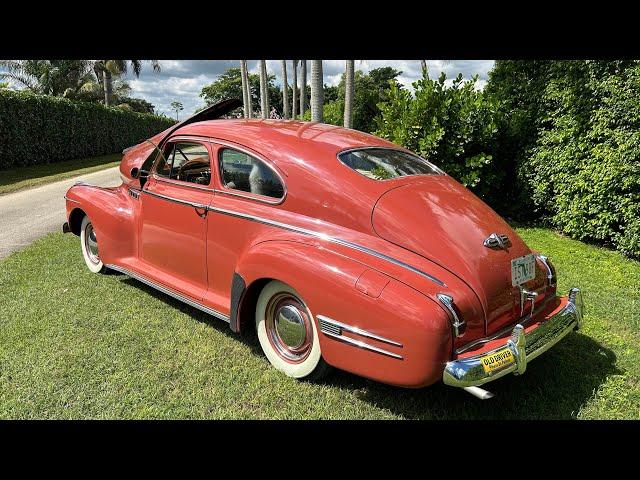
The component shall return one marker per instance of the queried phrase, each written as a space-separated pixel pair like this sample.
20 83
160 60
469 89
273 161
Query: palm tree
264 93
108 68
285 91
303 86
176 107
294 101
246 95
62 78
348 94
317 91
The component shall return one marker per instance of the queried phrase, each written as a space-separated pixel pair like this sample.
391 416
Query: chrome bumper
469 371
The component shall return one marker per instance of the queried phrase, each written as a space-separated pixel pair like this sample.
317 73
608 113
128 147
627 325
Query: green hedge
37 129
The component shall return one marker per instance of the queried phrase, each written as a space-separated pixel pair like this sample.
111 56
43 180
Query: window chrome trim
343 326
258 156
397 149
170 292
181 183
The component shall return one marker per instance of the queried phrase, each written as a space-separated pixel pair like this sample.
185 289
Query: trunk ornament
497 241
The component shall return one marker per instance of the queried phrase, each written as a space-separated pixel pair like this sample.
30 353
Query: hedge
36 129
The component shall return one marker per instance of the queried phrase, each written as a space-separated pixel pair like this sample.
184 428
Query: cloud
182 80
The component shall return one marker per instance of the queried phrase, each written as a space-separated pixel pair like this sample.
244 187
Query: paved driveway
29 214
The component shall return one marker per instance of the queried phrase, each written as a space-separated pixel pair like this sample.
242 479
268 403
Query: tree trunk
249 93
264 92
303 87
294 97
348 95
108 87
245 88
285 91
423 64
317 92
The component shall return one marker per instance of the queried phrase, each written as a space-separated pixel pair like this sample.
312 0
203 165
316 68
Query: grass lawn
25 177
78 345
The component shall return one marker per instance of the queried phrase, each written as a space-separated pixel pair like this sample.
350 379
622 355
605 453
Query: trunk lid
441 220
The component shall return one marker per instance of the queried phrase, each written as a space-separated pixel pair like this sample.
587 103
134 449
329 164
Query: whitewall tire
287 332
89 245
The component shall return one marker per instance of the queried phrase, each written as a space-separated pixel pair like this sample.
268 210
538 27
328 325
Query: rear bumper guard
524 347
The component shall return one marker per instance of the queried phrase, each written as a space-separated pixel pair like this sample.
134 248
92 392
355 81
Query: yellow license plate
497 360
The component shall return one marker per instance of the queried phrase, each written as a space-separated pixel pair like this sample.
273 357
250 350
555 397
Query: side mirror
140 174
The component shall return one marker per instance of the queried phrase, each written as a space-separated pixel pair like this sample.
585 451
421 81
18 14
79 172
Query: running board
171 293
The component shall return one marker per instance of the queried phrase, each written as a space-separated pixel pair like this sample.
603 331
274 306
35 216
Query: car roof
286 140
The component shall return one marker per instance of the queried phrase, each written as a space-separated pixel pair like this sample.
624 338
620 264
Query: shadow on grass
555 386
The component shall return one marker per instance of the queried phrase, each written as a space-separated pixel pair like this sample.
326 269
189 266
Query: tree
285 91
106 69
176 107
423 66
294 96
264 97
229 85
317 91
303 86
246 102
348 95
61 78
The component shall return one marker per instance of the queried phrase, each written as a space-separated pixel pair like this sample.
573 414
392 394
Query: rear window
385 163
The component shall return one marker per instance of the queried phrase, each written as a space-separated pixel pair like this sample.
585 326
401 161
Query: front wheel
287 333
89 244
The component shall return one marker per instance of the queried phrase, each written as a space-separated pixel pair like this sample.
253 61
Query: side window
187 162
248 174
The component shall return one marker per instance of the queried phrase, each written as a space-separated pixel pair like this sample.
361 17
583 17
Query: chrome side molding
333 329
170 292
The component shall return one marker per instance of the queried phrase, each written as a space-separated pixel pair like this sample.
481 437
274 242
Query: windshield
386 163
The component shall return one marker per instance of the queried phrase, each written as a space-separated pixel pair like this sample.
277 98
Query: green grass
78 345
26 177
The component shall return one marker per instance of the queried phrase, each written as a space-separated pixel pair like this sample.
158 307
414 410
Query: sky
182 80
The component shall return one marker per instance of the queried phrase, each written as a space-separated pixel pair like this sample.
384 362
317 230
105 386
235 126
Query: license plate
523 269
497 360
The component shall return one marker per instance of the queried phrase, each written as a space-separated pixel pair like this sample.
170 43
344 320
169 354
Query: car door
173 220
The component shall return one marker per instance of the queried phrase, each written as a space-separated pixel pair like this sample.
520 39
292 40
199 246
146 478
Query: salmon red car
340 248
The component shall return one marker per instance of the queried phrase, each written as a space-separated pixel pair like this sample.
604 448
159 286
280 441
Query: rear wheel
89 244
288 334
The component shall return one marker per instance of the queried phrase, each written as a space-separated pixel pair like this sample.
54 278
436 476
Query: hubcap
91 244
289 327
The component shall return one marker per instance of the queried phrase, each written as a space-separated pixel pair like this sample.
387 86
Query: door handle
204 211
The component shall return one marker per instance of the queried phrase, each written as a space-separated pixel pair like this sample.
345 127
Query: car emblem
496 241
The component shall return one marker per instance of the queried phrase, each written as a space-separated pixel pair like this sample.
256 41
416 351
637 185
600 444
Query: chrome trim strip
303 231
363 345
176 200
356 330
171 293
457 324
71 199
322 236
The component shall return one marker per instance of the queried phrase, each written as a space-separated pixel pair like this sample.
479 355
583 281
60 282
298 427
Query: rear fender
418 329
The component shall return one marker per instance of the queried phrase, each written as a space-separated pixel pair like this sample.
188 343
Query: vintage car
340 248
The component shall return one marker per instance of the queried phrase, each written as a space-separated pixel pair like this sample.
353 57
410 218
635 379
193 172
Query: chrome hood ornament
496 241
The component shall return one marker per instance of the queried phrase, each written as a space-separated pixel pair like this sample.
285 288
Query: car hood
441 220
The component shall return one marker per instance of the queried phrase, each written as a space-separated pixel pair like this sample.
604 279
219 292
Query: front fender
112 212
326 280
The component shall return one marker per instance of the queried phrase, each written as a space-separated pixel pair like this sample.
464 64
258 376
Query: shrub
585 169
452 126
37 129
